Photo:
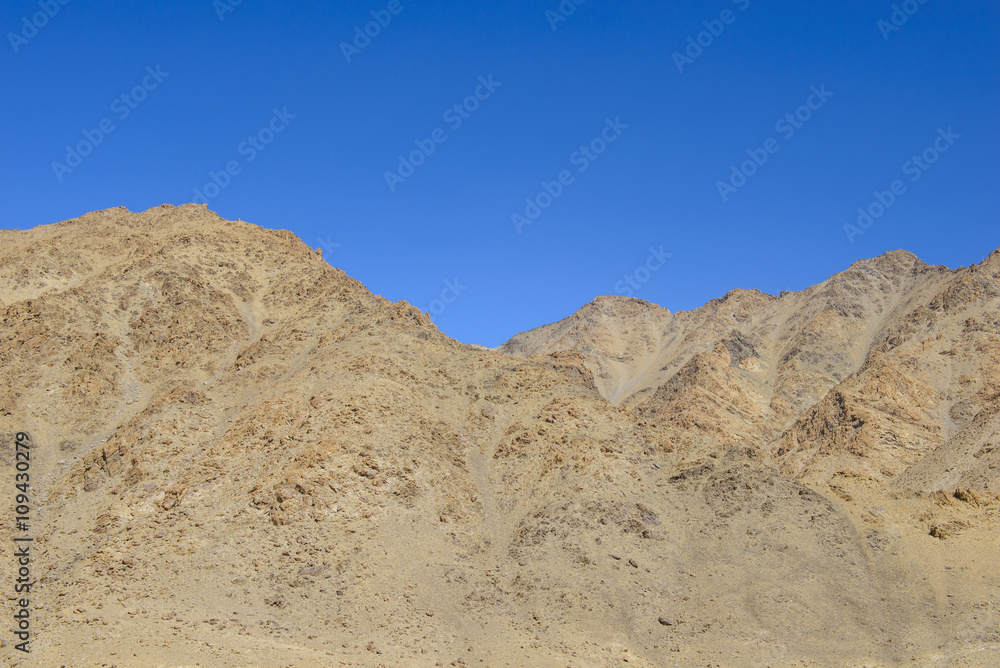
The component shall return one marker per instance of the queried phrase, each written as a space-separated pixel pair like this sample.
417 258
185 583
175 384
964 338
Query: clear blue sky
216 77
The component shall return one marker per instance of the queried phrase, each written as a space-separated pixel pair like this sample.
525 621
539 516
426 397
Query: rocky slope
244 458
890 355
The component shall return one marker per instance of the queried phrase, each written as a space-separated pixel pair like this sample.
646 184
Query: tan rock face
245 458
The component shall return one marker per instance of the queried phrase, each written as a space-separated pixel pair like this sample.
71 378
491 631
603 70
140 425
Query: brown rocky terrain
244 458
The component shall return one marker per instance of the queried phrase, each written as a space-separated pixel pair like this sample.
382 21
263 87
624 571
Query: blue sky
623 122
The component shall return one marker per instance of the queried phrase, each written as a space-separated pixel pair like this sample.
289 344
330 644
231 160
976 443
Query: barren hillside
243 458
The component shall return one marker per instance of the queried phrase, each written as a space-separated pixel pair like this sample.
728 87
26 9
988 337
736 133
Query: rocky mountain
241 457
891 357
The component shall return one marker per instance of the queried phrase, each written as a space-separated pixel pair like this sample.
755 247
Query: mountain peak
612 302
892 262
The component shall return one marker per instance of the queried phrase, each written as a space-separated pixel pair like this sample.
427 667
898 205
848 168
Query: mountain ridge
244 457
